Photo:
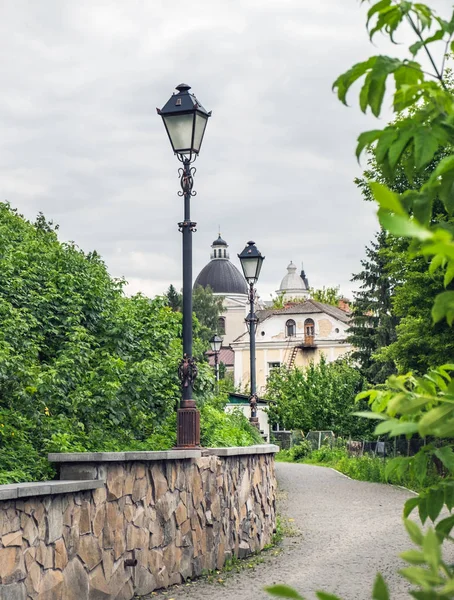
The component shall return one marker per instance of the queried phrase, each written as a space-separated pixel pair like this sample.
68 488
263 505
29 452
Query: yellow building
295 335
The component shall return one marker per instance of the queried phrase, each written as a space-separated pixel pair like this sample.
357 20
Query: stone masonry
125 524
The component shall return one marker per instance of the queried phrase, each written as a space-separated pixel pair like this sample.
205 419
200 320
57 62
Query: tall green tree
373 324
321 397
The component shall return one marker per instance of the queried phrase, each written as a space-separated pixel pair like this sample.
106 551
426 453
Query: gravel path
349 531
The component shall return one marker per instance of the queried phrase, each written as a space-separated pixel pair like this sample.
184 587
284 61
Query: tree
322 397
174 299
207 308
205 305
373 324
329 295
82 366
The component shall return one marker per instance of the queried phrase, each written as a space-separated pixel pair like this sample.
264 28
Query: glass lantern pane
179 128
200 124
249 267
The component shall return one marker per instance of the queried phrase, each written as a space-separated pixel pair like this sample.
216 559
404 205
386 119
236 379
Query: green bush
302 450
84 367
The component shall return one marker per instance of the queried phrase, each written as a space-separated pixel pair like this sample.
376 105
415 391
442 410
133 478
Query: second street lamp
185 120
251 262
216 344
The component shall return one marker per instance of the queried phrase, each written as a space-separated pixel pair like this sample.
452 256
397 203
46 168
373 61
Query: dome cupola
220 274
293 285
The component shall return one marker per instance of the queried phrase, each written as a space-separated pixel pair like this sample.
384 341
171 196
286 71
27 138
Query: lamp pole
252 326
185 120
216 345
251 261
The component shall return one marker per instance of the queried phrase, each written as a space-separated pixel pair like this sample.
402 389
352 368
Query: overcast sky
80 139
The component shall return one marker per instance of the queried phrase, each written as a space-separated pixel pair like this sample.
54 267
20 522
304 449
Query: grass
362 468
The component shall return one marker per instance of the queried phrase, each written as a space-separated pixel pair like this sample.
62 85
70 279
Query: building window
273 365
221 325
309 331
290 328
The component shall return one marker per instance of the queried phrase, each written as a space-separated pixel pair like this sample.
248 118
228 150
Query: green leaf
449 495
431 549
283 591
414 532
380 590
435 502
426 144
410 505
387 199
446 191
346 80
413 556
423 509
449 274
419 466
377 8
432 419
366 139
443 307
368 414
403 226
444 527
398 146
446 455
325 596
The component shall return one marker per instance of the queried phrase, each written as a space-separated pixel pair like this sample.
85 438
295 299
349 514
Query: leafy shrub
82 366
302 450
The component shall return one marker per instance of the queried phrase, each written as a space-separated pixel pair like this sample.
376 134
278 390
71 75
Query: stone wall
128 523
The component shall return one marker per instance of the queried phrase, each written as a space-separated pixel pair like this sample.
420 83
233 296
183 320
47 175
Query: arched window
290 328
221 325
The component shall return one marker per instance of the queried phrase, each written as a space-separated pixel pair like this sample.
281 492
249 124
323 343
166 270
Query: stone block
99 519
167 504
99 588
115 482
51 586
12 567
85 518
54 521
12 539
75 581
77 472
99 496
159 482
139 490
61 556
89 551
14 591
145 582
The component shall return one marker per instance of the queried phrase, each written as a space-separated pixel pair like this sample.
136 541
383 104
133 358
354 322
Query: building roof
307 307
220 274
226 356
292 282
219 242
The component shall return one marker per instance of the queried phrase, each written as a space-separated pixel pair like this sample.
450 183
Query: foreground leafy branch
410 404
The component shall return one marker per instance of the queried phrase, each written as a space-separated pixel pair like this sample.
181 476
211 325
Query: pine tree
173 298
373 323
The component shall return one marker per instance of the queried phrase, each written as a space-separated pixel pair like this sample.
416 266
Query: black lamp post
216 344
185 120
251 262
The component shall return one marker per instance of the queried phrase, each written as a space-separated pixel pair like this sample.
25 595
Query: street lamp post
216 344
251 262
185 120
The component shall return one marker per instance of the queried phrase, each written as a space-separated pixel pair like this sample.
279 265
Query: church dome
293 284
220 274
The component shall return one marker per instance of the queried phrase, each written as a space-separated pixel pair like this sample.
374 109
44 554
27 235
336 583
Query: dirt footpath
349 531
